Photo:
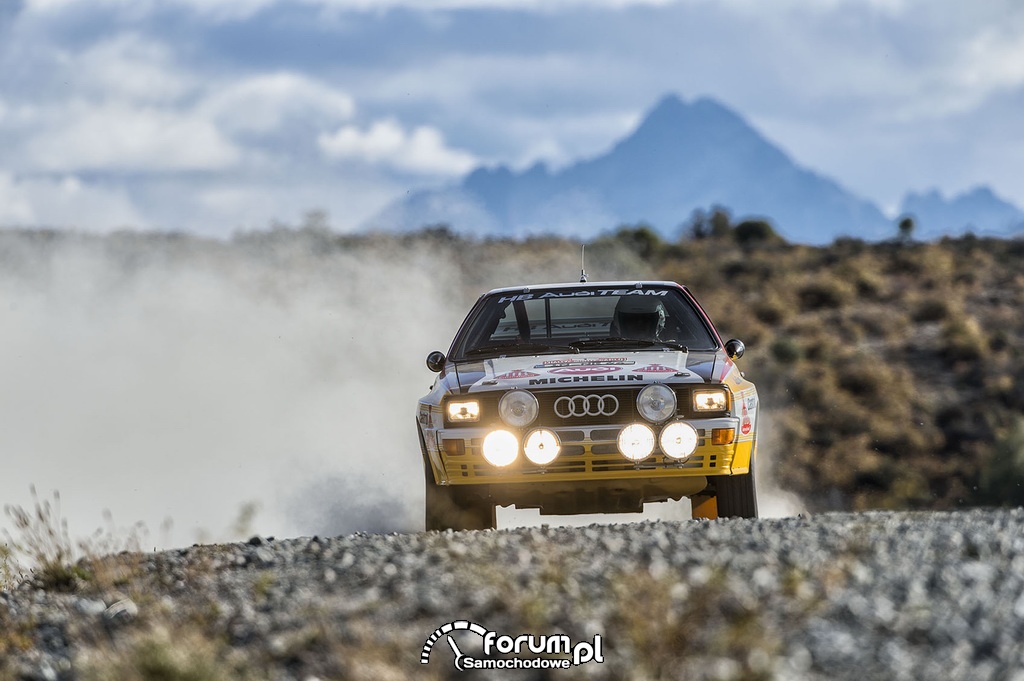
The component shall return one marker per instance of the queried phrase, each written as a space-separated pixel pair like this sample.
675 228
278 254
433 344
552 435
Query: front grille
546 399
583 454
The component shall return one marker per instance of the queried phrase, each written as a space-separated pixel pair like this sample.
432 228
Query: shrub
1002 477
786 350
931 310
962 340
751 232
823 294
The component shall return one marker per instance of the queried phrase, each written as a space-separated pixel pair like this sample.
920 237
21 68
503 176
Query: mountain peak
978 208
683 155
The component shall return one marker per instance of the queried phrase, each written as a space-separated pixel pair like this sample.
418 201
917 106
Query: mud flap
704 506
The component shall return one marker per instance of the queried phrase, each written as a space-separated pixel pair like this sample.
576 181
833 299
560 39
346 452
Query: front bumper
588 453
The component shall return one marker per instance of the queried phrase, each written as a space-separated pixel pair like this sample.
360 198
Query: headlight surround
678 440
636 441
463 411
501 448
518 408
656 403
711 400
541 446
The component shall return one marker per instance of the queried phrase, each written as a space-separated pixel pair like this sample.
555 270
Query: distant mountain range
681 158
978 210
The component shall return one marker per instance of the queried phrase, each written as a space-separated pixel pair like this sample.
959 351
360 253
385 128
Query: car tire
450 508
737 495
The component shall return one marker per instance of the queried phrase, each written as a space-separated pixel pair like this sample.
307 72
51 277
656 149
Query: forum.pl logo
530 651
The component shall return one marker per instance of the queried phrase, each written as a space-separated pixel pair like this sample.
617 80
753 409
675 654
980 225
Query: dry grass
41 551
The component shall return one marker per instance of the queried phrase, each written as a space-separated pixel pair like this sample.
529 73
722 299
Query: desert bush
824 293
963 340
931 310
786 350
1002 478
44 541
753 232
41 550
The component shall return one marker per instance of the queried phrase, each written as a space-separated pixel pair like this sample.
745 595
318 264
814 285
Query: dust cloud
182 382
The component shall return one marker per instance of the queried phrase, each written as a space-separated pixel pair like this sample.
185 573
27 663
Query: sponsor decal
585 379
527 651
655 369
749 414
726 368
584 294
516 374
584 369
583 362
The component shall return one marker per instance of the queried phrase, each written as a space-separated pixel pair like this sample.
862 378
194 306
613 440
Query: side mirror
435 361
735 348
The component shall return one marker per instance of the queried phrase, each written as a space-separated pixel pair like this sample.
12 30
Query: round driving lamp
636 441
500 448
678 440
541 446
656 403
518 408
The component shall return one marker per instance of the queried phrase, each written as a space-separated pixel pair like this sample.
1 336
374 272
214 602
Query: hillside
892 374
683 156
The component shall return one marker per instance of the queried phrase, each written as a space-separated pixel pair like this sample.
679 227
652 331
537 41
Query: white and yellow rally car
587 398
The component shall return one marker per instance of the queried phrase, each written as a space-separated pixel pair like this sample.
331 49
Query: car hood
614 368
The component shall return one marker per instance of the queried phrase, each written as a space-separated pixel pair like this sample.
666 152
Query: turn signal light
454 447
723 436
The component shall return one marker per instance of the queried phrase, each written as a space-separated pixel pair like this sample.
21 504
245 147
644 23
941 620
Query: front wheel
732 496
737 495
450 508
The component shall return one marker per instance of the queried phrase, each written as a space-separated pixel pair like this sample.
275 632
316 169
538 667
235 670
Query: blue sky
213 115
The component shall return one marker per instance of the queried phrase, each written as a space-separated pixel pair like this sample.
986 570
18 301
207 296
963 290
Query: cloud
421 151
249 91
265 102
119 137
129 67
65 201
227 10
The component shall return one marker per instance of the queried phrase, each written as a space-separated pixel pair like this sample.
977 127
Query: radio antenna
583 268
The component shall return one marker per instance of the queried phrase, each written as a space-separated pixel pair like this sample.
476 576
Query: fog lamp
500 448
636 441
541 447
678 440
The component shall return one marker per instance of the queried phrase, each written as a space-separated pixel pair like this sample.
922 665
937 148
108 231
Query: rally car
587 398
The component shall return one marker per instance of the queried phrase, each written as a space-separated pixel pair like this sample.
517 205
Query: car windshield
578 320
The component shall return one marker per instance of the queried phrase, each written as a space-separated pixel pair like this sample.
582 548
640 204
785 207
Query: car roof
578 285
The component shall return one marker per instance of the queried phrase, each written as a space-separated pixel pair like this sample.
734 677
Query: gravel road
838 596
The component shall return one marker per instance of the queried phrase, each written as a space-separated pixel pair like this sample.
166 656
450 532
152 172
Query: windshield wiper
619 340
520 348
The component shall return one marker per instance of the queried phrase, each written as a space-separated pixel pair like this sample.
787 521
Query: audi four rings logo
586 405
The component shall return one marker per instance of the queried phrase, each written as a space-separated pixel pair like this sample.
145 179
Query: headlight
636 441
541 447
710 400
518 408
500 448
678 440
656 402
464 412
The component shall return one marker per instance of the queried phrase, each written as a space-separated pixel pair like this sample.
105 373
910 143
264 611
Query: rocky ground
837 596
